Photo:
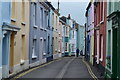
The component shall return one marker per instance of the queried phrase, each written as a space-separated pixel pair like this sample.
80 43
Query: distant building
60 42
72 38
62 24
66 35
80 38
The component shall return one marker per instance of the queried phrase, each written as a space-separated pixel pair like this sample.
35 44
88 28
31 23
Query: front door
11 59
114 54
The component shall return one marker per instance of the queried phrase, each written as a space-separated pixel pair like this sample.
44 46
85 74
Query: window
34 49
49 18
13 9
102 11
44 48
73 47
66 31
97 47
45 12
56 23
23 11
101 56
48 44
23 47
109 50
35 14
66 46
42 17
73 34
53 19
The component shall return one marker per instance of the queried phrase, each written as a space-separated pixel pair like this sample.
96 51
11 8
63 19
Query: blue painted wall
50 34
39 32
5 8
80 38
0 34
5 16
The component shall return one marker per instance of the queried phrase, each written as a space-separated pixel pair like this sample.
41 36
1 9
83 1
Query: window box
22 62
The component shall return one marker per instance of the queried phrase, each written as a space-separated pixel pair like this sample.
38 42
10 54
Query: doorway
11 59
114 53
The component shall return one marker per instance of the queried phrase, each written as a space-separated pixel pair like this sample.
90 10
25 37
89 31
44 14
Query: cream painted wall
56 33
24 25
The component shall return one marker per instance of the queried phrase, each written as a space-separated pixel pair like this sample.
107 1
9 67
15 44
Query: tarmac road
67 67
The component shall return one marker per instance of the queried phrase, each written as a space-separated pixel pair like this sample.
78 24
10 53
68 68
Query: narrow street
66 67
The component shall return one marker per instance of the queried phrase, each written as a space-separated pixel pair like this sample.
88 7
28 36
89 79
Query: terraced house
38 43
60 44
62 25
73 37
80 38
113 40
19 60
55 27
90 24
100 14
6 29
66 35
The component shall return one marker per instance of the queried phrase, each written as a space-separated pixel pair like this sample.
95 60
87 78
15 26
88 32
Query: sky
76 8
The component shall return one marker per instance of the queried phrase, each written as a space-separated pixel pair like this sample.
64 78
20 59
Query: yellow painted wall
22 21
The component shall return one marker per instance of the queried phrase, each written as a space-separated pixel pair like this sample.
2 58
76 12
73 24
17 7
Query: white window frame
33 49
102 52
97 47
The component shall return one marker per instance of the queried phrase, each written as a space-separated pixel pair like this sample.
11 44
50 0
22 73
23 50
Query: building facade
100 35
62 23
39 12
19 60
66 37
113 40
6 29
49 33
87 29
60 44
90 24
73 38
81 38
55 22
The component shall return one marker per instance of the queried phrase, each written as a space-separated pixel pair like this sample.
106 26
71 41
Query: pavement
65 68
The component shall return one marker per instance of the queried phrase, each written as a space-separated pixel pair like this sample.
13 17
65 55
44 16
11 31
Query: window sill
45 29
23 23
101 22
59 51
13 20
101 59
41 28
35 26
22 62
44 54
34 57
